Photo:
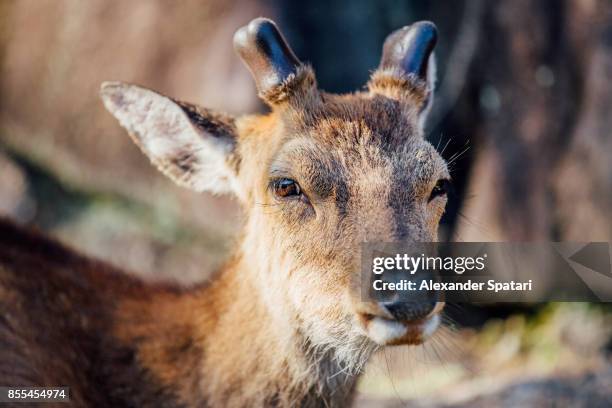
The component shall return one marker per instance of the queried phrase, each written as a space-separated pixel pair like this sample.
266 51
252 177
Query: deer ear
193 146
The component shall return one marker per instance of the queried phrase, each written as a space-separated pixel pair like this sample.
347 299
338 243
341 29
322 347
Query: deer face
318 175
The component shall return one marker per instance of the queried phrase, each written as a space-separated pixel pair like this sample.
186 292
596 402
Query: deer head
317 176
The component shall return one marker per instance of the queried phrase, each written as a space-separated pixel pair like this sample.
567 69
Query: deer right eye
286 188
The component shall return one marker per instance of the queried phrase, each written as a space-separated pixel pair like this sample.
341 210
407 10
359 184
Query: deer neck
259 354
232 349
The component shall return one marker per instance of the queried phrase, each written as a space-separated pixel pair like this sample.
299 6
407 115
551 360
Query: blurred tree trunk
583 182
543 81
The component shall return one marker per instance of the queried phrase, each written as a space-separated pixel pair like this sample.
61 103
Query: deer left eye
442 188
286 188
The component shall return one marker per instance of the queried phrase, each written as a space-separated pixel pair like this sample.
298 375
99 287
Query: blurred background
523 112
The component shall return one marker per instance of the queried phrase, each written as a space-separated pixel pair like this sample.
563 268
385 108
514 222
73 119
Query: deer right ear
193 146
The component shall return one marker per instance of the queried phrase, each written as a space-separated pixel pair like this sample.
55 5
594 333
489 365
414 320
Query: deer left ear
191 145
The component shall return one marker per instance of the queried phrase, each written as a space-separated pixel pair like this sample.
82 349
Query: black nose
407 310
412 305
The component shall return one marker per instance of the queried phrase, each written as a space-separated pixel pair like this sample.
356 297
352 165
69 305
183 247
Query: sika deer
283 323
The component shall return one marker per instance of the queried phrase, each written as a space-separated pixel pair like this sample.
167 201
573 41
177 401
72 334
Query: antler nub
267 55
404 68
409 49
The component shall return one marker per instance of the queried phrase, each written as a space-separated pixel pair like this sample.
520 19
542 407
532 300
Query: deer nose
412 305
410 310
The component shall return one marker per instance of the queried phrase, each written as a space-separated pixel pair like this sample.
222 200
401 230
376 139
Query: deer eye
285 187
442 188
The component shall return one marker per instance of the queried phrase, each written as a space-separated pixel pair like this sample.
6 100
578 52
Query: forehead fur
368 130
345 119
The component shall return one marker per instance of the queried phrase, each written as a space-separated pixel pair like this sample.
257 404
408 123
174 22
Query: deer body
283 323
